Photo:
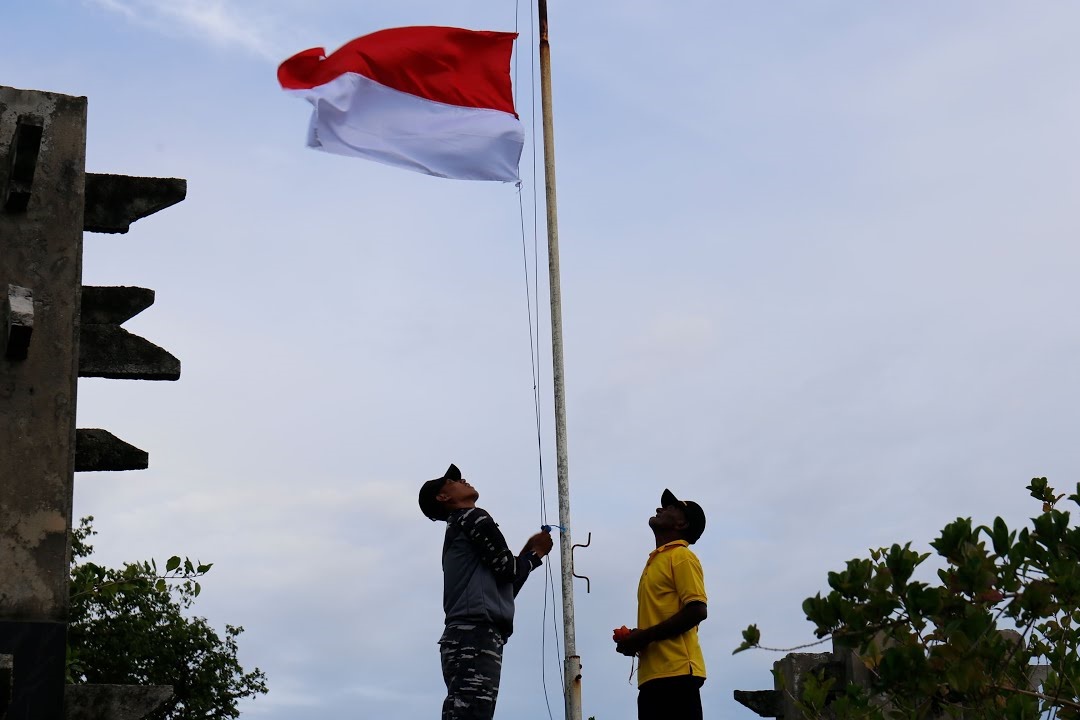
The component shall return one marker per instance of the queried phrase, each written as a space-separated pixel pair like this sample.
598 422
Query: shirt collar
455 514
668 546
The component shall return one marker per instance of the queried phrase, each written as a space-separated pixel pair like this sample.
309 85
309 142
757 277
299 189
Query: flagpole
572 663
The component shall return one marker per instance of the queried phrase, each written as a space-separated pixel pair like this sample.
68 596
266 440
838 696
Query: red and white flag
436 100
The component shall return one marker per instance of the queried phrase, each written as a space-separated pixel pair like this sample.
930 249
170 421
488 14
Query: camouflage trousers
471 666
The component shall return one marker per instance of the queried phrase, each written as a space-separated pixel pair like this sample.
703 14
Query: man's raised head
675 517
439 497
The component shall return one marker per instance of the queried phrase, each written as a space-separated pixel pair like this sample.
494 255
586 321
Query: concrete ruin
53 331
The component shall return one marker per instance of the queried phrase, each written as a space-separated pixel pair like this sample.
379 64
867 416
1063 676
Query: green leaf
816 689
1000 537
1037 598
1038 489
751 638
174 562
901 562
953 537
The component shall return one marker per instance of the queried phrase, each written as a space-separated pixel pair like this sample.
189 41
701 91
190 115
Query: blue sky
819 273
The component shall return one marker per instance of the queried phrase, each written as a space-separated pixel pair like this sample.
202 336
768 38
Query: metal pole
572 665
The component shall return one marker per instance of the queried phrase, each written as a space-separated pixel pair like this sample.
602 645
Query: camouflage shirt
481 576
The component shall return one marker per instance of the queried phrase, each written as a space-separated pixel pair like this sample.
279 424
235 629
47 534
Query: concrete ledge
100 450
110 351
113 702
113 202
113 305
766 703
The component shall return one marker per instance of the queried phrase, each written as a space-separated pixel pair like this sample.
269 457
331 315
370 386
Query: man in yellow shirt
671 604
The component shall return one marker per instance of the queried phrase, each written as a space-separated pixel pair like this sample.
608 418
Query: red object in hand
621 634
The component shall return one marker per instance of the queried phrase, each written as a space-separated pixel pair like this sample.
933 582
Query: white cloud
219 22
117 6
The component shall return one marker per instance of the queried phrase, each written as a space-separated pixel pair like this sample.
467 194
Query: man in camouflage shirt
481 578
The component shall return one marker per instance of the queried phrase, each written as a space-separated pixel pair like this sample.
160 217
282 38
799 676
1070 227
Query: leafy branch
131 625
1005 599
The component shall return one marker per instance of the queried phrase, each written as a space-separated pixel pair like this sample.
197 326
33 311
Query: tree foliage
131 626
937 649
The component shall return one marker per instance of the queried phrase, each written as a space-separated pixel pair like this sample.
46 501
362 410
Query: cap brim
668 498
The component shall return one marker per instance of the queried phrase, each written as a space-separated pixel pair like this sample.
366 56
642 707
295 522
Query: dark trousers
672 698
472 666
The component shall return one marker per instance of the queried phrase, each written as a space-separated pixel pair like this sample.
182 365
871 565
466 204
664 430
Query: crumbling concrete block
113 702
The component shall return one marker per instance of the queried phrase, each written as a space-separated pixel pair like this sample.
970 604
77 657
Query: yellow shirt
672 578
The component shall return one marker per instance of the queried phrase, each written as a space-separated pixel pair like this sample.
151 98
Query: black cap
695 516
431 507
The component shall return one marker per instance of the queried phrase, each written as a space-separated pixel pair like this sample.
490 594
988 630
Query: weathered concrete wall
41 249
41 221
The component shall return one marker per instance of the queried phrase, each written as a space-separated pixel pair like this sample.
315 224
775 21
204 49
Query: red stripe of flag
467 68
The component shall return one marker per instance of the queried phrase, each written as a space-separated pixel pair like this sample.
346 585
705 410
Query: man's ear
682 524
442 497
